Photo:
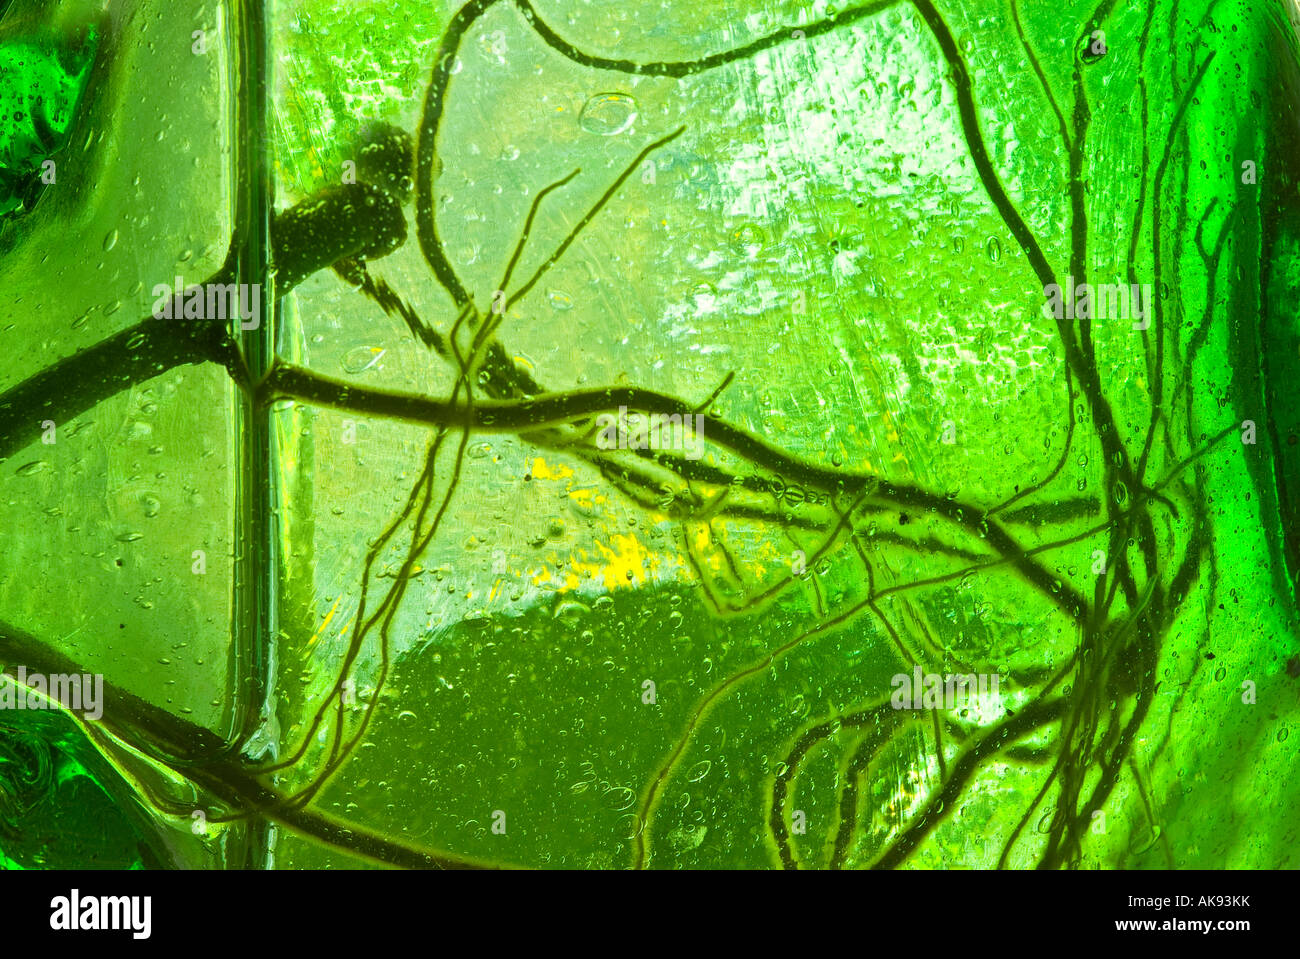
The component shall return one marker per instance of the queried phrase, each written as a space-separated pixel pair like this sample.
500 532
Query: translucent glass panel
730 434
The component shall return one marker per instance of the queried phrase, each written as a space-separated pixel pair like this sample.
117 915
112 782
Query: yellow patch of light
627 561
767 552
328 616
714 559
544 577
542 471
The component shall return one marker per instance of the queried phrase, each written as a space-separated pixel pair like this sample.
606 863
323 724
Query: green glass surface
41 80
987 310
